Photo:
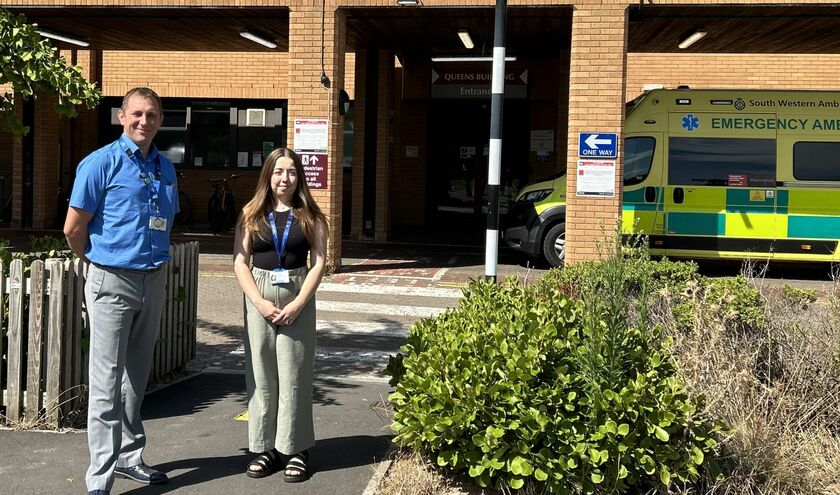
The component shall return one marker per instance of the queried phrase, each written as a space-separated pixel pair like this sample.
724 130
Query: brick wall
596 98
308 98
387 120
198 74
358 172
731 71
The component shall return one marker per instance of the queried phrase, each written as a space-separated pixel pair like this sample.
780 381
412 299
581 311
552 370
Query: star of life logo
690 122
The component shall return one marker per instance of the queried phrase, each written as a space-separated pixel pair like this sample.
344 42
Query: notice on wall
311 135
542 140
596 178
311 139
412 151
267 148
315 169
241 158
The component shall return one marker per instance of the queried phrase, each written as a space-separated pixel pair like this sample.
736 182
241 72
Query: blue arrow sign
597 145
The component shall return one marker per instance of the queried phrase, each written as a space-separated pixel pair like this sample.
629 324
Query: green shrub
798 297
740 304
527 385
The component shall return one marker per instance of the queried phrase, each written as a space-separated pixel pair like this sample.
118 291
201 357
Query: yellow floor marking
243 416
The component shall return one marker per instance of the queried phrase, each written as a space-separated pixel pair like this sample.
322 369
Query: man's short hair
145 93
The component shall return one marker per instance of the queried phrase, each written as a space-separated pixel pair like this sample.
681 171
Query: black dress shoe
141 473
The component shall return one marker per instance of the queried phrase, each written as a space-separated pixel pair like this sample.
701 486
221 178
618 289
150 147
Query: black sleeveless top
297 247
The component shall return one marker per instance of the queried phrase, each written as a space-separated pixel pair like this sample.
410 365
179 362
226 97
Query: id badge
157 223
279 276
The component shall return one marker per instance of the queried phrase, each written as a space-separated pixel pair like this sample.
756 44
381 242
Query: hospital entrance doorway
459 140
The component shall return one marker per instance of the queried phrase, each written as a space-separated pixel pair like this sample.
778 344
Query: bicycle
221 208
184 202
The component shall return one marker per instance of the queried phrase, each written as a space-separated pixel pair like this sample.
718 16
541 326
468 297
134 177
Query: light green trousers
278 370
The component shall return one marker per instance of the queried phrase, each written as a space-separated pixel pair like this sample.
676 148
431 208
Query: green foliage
739 302
46 246
798 297
528 385
31 65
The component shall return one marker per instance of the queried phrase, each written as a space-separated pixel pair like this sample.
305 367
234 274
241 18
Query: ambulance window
816 161
638 156
722 162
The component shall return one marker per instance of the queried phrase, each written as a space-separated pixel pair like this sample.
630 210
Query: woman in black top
278 228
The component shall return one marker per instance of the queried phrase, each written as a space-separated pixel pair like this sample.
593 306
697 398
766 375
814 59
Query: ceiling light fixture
469 59
692 38
407 3
62 37
257 39
466 39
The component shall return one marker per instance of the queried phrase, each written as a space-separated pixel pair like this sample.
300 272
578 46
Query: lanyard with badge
280 275
156 220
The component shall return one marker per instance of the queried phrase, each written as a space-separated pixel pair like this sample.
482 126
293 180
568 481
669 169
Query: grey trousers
278 371
124 309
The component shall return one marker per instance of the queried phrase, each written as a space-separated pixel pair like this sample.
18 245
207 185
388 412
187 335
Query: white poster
241 158
596 178
542 140
311 135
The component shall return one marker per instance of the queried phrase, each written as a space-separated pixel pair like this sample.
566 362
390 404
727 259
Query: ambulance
726 174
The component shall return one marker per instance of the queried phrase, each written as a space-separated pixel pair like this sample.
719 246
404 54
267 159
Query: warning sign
596 178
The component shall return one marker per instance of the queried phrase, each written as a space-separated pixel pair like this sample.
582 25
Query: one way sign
597 145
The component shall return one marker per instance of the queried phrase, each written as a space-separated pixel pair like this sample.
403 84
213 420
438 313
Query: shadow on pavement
199 471
329 454
192 395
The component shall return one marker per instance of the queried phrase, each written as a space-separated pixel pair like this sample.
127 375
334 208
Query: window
210 145
210 134
722 162
171 139
816 161
638 157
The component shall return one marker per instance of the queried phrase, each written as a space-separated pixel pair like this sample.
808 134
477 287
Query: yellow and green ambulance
714 174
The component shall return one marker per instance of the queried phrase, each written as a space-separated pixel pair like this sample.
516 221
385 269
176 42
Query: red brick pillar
47 133
384 144
86 124
596 104
308 98
17 170
358 171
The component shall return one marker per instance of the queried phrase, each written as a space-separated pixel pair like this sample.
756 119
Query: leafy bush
527 385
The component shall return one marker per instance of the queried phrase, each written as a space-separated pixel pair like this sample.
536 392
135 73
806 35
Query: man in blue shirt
124 199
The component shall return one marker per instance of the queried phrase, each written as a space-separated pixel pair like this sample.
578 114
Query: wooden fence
46 371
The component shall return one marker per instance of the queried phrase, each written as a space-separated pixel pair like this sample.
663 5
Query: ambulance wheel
554 245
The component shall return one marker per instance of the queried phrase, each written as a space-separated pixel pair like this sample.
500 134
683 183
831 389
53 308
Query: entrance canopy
162 29
531 31
433 31
736 29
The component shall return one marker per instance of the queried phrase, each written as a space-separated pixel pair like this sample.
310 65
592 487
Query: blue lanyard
279 246
152 186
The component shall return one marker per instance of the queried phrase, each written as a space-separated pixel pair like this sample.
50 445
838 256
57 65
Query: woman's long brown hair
254 214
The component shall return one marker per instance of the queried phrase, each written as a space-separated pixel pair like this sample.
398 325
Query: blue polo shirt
110 184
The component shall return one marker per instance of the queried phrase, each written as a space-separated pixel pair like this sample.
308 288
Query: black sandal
295 471
264 464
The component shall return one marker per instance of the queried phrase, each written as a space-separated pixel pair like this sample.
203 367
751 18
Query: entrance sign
315 168
597 145
311 138
596 178
472 80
